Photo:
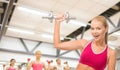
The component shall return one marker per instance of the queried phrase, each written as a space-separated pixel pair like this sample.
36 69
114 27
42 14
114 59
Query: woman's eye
98 28
92 28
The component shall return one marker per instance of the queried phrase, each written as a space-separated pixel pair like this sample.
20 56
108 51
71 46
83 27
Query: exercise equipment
51 17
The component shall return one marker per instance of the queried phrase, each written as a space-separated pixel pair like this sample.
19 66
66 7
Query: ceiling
42 29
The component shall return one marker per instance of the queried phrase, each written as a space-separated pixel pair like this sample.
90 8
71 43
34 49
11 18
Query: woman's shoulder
111 51
84 42
7 67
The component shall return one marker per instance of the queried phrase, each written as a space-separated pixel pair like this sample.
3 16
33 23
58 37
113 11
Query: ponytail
106 37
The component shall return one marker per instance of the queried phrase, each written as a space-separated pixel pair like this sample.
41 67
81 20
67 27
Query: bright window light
117 33
45 14
50 36
21 31
75 22
33 11
112 47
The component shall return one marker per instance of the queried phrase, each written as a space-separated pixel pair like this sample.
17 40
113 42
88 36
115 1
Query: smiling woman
37 64
27 31
12 65
96 54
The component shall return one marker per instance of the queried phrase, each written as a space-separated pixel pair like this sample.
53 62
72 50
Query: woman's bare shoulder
111 51
84 42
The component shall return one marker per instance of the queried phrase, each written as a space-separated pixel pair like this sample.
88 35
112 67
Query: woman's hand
60 17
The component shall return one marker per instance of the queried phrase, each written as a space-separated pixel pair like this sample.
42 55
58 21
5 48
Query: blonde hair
38 51
104 21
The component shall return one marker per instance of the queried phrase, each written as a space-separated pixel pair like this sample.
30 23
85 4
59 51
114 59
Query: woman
19 67
49 66
95 54
12 64
59 66
37 65
66 66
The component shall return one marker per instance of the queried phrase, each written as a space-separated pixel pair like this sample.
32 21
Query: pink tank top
37 66
96 61
10 68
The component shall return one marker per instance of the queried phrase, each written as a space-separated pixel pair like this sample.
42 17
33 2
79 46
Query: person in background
19 67
49 66
66 66
4 66
59 65
37 64
12 65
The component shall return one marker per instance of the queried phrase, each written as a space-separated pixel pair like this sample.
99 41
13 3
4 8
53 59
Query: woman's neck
58 64
99 43
38 59
12 65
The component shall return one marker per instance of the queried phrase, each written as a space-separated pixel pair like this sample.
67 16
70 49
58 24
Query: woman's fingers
60 17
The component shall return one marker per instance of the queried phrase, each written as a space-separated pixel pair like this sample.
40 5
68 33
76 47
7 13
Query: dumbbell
51 17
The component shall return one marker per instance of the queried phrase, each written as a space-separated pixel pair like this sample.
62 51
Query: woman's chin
96 39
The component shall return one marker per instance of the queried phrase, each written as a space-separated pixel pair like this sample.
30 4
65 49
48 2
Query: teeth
96 36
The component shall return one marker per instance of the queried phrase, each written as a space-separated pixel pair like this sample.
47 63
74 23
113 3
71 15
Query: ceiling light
75 22
33 11
21 31
117 33
50 36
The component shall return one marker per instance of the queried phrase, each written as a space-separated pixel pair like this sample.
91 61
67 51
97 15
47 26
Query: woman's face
12 62
59 61
38 54
98 30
